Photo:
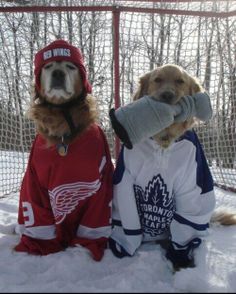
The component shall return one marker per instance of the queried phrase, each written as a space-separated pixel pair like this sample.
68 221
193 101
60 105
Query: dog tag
62 149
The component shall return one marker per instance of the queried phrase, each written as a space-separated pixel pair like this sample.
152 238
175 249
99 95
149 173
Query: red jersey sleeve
35 218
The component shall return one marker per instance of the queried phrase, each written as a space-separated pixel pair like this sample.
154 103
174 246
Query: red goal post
120 40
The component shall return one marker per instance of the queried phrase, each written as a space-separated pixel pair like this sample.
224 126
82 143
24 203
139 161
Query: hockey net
120 41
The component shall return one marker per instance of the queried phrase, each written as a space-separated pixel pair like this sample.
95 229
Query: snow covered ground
74 270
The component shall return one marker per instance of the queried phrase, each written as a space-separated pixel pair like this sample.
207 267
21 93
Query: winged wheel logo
65 198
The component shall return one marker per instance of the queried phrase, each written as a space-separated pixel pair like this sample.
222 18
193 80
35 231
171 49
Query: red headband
60 50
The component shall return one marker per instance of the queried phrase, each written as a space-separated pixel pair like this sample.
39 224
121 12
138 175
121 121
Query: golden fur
224 217
50 121
168 83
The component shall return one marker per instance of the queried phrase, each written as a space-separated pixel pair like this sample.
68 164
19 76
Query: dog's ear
33 91
35 95
143 87
194 86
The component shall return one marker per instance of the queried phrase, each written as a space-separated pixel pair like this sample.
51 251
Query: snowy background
74 270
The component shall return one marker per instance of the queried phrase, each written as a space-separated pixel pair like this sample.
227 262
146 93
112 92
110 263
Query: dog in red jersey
66 192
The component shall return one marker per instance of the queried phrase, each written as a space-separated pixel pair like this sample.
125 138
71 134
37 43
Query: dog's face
60 81
168 84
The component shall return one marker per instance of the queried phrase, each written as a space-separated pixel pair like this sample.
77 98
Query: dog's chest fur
51 122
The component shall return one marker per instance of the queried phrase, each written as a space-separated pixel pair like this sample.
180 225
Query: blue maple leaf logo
156 189
155 206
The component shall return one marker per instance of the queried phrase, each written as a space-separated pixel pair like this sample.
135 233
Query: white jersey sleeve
194 195
126 235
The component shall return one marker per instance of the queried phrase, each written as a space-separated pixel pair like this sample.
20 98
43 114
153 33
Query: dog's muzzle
58 79
168 97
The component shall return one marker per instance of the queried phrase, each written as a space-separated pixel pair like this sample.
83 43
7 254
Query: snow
75 271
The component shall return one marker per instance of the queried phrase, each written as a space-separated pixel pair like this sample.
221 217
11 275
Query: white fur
71 74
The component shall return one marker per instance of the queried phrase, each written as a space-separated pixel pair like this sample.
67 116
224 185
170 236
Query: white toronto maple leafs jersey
161 193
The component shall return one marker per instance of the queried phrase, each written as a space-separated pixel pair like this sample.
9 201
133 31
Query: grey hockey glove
146 117
198 105
141 119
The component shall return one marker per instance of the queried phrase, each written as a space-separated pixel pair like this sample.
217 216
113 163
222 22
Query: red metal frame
172 1
116 50
117 8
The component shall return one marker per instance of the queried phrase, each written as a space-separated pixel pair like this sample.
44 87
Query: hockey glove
146 117
197 105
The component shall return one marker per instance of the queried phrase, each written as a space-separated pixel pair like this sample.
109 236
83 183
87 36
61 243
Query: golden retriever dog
67 187
163 187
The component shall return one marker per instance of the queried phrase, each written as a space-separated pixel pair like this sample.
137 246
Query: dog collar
62 148
66 138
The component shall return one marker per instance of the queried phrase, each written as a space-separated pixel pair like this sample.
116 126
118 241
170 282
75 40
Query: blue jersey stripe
204 178
182 220
133 232
120 168
118 223
194 243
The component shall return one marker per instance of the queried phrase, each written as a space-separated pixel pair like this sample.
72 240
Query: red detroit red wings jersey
66 200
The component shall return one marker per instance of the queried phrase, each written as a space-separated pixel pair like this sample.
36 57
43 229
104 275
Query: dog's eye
47 66
158 80
72 67
179 81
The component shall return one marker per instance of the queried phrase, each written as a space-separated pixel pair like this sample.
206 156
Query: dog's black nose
58 78
167 97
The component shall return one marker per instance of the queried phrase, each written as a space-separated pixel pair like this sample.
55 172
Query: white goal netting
198 35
